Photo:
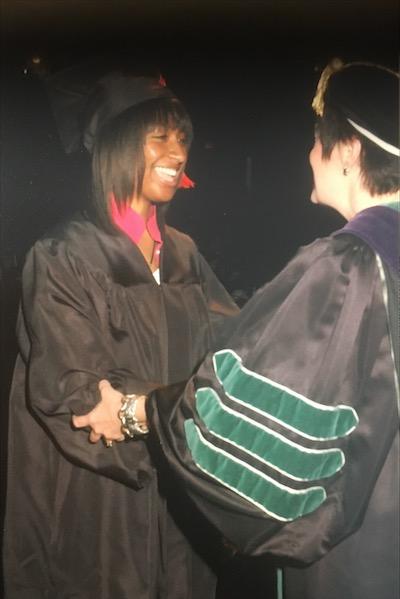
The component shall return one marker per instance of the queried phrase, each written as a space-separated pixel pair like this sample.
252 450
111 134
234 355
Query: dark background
246 71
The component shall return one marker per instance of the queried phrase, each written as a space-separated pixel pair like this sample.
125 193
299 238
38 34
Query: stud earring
345 171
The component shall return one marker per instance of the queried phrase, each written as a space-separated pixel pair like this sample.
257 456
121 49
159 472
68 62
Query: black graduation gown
287 437
84 521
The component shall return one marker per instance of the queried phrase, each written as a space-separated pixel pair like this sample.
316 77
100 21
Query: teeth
171 172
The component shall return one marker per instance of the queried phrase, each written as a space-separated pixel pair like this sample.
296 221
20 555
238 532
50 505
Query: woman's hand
103 419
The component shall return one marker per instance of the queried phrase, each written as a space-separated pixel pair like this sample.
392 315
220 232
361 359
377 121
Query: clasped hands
104 419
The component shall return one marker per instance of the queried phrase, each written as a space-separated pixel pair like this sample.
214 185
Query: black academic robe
287 438
84 521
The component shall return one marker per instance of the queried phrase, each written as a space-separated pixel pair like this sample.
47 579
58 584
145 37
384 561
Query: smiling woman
139 159
112 294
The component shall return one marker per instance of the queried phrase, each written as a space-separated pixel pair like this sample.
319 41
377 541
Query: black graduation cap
368 96
83 99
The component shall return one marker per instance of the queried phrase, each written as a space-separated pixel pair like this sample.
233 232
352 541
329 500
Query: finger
80 421
94 437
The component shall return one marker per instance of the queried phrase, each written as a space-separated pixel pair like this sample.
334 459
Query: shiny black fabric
84 521
319 328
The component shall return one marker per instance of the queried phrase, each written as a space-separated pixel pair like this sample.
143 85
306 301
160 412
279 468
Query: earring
345 171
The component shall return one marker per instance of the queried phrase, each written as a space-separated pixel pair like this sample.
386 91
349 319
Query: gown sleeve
282 433
67 351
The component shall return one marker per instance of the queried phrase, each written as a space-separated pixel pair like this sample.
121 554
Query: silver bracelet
131 428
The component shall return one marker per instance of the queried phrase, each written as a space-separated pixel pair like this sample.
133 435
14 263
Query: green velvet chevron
274 499
290 409
244 431
282 454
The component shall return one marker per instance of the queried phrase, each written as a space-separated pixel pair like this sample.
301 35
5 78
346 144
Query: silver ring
108 443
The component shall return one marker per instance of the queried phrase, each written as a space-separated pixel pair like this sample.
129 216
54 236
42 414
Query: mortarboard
367 95
83 101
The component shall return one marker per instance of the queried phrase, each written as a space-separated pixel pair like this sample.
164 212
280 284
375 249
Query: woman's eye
157 133
164 136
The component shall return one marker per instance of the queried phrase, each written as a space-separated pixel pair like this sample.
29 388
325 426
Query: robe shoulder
79 239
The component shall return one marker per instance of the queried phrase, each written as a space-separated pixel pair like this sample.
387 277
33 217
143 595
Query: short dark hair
118 158
379 169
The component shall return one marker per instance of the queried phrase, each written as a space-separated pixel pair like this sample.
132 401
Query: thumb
80 421
104 384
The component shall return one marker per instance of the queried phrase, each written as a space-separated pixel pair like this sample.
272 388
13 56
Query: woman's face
165 155
328 175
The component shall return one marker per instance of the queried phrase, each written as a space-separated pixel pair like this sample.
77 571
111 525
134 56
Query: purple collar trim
379 227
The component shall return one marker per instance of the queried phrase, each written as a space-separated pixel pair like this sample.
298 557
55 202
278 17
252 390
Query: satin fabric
320 329
84 521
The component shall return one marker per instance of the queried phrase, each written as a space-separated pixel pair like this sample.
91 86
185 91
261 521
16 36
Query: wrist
133 416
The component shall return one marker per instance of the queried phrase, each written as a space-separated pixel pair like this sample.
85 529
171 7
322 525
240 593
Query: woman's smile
168 175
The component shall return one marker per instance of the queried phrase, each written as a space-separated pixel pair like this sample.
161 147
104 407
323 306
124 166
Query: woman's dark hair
379 169
118 157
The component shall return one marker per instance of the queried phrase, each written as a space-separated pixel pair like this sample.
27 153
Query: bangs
168 113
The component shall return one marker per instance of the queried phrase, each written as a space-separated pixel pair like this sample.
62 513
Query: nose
177 149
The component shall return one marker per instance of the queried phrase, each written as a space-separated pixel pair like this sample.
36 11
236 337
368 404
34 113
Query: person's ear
350 152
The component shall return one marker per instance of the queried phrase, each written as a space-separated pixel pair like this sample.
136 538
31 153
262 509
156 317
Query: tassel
186 182
318 103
